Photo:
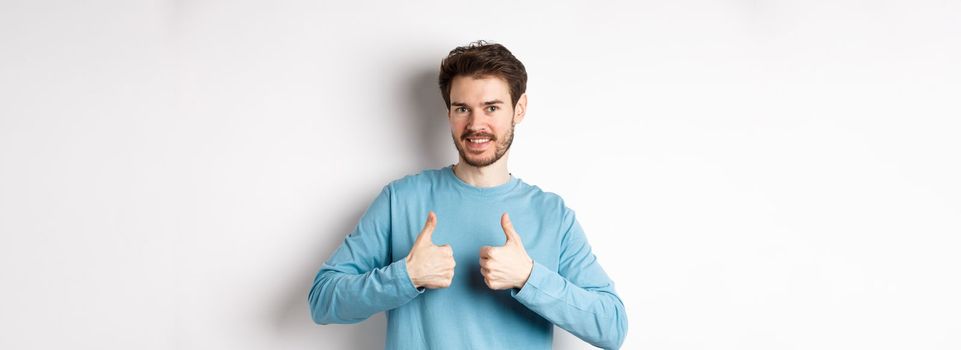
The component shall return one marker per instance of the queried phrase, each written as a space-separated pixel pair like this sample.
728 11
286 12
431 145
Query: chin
482 162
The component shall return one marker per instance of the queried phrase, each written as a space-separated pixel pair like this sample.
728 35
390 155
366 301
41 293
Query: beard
500 148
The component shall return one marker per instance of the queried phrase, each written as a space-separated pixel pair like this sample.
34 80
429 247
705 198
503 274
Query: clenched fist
429 265
507 266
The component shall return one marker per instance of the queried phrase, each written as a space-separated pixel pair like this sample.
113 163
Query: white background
752 174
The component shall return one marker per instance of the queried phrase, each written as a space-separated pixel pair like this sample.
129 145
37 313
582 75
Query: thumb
512 236
427 233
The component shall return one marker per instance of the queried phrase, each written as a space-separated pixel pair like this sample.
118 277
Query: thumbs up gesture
429 265
507 266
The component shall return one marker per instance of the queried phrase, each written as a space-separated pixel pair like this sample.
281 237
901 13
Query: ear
521 109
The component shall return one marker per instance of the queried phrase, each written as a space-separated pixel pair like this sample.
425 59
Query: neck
489 176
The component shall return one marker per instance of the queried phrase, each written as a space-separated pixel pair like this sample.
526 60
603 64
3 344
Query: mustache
488 136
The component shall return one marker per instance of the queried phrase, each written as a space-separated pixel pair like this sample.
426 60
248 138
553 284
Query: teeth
478 140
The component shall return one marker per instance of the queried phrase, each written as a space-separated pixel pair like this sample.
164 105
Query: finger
427 233
485 252
512 236
447 249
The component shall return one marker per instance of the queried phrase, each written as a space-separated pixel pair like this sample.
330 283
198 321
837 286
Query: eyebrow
486 103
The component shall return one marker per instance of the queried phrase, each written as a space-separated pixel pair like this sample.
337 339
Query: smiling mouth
478 143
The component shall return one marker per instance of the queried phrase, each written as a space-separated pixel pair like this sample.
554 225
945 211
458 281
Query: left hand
507 266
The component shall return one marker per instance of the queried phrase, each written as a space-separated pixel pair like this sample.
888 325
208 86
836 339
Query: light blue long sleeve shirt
567 287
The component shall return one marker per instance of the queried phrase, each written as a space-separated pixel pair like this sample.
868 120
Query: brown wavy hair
480 59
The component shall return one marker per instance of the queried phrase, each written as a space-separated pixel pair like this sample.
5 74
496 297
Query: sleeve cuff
403 279
526 293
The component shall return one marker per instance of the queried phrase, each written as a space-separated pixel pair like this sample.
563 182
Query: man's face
482 119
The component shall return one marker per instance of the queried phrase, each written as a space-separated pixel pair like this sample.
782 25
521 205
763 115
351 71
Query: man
495 263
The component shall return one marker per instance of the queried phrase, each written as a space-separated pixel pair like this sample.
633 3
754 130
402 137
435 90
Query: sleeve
358 281
579 297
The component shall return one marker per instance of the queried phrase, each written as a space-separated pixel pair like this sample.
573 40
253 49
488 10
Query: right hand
429 265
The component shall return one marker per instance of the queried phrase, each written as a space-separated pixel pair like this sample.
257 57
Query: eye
460 109
492 108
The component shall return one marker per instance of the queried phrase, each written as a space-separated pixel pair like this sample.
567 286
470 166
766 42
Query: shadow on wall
427 119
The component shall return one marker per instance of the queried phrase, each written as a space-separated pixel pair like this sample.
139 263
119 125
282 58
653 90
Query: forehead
475 90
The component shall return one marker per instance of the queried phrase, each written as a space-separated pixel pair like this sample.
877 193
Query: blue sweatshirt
567 287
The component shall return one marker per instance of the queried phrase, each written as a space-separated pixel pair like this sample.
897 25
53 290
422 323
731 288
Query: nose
475 124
